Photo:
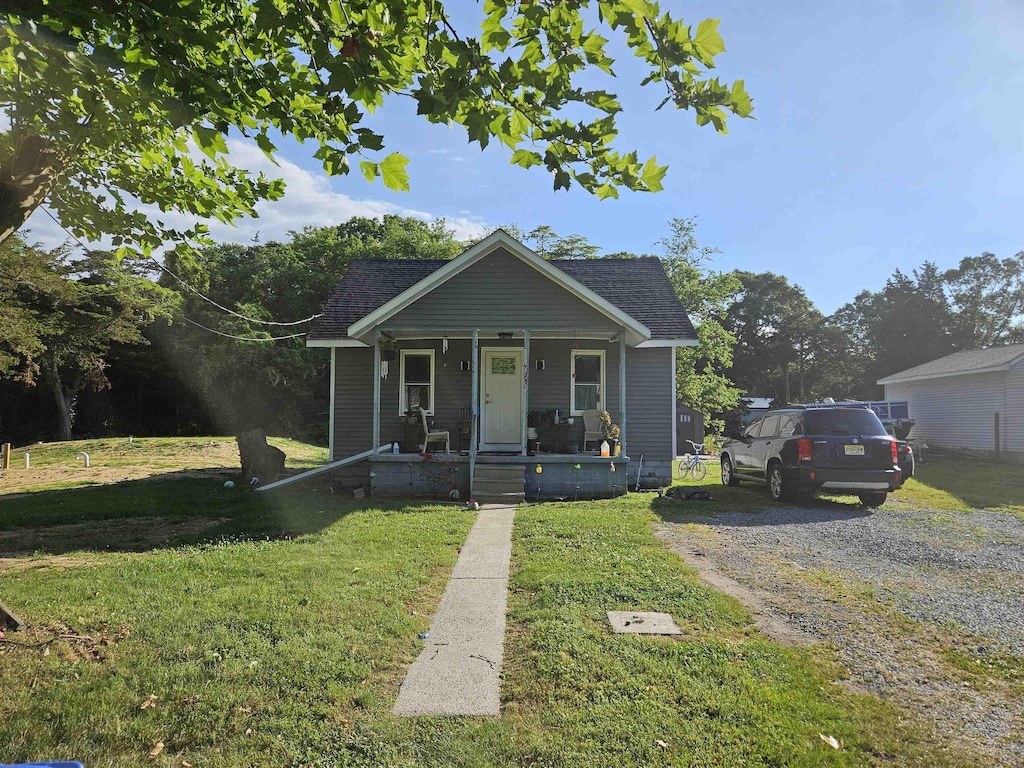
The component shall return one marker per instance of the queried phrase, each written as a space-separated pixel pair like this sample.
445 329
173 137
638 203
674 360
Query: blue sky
885 134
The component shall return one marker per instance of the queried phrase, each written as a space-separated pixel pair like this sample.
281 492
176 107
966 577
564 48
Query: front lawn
277 634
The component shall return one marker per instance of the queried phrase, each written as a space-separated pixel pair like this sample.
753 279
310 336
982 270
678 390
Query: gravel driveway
923 607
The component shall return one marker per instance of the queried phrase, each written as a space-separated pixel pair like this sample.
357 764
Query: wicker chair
436 436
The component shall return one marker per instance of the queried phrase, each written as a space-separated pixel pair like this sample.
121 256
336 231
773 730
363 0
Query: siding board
500 290
956 412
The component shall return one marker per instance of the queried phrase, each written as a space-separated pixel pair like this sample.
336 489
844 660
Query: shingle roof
639 287
971 361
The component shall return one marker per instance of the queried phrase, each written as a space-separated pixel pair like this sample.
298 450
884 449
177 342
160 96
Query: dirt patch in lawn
18 547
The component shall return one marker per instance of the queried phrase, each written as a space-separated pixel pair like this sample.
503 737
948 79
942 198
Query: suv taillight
803 449
895 453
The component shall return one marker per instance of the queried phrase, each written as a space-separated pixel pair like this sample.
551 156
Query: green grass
167 452
278 637
54 466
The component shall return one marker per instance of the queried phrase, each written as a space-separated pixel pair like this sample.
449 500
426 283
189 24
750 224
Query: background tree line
94 345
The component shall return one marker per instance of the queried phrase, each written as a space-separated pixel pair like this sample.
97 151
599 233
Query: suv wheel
776 483
872 500
728 476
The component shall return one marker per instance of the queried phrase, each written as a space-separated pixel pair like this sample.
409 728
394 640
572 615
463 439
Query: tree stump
259 459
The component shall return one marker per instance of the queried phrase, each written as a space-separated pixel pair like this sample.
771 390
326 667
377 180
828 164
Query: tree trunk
785 375
26 177
63 398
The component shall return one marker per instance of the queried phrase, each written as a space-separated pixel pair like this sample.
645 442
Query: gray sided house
957 400
490 345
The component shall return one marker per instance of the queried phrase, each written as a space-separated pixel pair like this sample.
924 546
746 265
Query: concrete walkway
459 671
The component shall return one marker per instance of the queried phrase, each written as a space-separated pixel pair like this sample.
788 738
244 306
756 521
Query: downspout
330 413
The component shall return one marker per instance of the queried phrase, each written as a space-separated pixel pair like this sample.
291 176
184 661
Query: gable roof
970 361
635 292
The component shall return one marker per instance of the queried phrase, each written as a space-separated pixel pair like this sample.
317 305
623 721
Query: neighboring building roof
757 403
959 363
637 287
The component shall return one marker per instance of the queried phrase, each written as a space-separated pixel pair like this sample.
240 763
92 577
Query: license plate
854 450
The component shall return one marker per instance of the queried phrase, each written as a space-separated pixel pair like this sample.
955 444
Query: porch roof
638 288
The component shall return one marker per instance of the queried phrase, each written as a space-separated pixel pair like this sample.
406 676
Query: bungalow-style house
971 400
490 346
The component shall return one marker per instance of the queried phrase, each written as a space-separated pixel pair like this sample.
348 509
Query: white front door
502 390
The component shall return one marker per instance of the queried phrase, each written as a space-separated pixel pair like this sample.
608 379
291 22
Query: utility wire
195 290
240 338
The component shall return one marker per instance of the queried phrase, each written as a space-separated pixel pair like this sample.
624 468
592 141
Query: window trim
403 406
603 384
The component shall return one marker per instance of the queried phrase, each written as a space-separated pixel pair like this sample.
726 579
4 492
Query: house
487 343
756 407
961 401
689 426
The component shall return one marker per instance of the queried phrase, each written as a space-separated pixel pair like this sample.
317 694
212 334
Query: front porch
517 398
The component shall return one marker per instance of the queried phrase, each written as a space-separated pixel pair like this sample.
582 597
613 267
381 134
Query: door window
788 425
753 429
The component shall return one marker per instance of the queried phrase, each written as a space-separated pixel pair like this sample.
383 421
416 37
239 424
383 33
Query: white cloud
309 200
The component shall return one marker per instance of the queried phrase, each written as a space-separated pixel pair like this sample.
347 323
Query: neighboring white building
953 400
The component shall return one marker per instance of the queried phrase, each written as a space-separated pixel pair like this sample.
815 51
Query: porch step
499 483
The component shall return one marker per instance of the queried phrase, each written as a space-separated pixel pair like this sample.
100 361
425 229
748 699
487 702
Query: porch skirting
413 475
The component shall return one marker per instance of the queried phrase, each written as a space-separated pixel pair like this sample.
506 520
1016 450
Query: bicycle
691 463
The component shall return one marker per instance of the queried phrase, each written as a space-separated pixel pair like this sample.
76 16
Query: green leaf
605 191
707 42
392 170
369 169
210 141
652 174
266 145
525 158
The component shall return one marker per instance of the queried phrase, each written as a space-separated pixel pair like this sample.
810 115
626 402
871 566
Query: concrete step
500 498
498 485
500 470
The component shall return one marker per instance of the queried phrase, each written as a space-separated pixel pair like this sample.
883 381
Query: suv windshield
842 421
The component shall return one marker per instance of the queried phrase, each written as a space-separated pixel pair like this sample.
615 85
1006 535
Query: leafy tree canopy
60 315
112 103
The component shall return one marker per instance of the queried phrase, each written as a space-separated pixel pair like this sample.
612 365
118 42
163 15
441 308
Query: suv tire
728 475
873 499
777 482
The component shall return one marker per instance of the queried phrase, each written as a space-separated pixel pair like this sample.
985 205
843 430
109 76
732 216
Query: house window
587 380
417 387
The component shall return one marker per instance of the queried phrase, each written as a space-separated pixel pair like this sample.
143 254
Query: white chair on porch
437 436
592 430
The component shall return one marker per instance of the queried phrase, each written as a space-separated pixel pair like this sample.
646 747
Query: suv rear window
842 421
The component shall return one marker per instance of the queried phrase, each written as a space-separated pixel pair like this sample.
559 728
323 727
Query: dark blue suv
844 449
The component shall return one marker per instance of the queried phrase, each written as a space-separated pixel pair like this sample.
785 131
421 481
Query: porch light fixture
540 365
505 335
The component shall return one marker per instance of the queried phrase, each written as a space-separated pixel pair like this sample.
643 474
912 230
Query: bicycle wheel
682 468
699 470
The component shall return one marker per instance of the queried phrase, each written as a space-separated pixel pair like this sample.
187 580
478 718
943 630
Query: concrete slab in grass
642 623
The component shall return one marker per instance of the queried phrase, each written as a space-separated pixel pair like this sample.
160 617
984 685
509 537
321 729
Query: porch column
475 421
622 392
376 392
526 382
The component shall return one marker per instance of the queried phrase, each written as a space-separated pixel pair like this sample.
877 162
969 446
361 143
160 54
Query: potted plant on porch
612 432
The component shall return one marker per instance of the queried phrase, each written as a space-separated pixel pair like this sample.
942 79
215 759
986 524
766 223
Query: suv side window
753 429
771 426
789 425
